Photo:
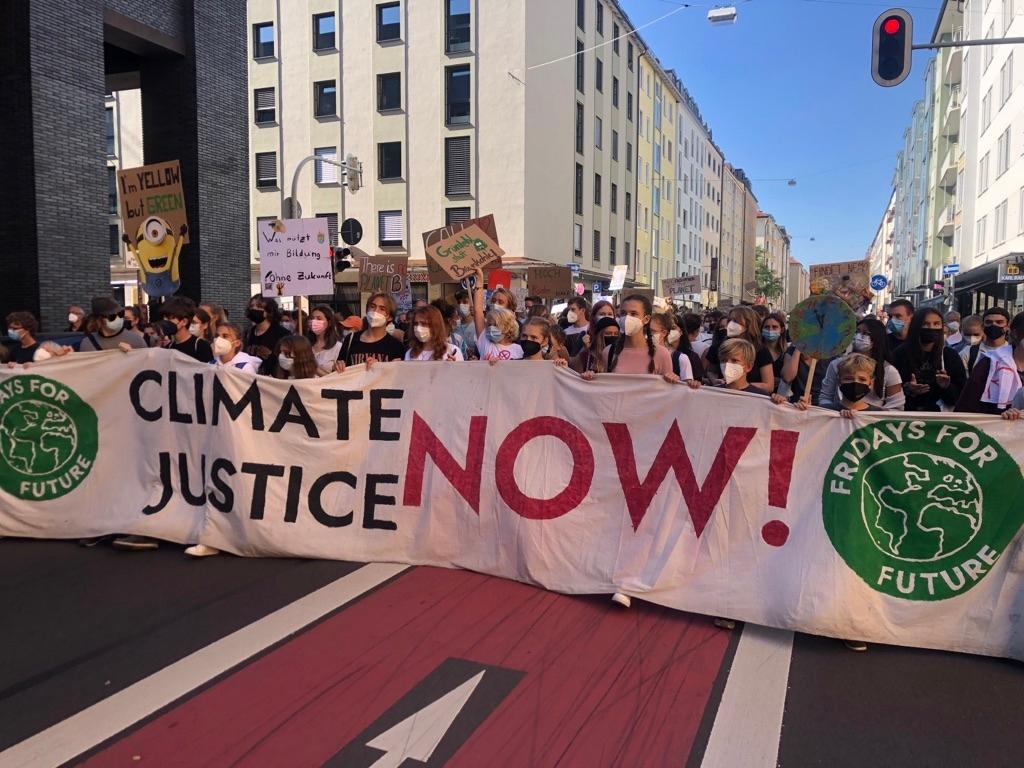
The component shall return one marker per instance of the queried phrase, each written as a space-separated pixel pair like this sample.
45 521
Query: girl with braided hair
636 351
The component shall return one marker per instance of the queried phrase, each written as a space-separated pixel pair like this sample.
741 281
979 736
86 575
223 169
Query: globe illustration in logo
37 437
919 508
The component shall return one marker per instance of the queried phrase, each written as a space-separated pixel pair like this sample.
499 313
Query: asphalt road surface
125 659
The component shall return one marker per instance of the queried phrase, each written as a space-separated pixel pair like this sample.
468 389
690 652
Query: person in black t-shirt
374 344
22 328
265 331
180 312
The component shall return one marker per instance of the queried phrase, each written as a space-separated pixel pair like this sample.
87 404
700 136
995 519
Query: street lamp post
351 174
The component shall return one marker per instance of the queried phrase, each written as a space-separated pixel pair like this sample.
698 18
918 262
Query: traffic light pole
969 43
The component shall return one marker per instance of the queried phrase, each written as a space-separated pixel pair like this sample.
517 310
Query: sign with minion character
154 223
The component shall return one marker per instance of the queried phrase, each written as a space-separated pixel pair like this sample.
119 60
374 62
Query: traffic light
891 43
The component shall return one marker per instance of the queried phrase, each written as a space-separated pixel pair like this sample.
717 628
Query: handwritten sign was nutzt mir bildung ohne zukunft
295 258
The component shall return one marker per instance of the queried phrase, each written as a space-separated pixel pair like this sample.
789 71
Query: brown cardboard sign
550 282
436 274
152 191
383 274
462 253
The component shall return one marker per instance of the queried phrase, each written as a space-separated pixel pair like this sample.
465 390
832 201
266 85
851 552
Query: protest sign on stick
550 282
461 254
821 327
295 258
383 274
436 274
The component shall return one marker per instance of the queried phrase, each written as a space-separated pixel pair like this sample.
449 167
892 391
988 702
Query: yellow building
659 102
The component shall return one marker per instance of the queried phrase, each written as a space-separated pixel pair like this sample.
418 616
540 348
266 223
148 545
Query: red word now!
466 476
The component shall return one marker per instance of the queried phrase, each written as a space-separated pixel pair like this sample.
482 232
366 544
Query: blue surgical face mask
14 335
896 325
770 335
494 333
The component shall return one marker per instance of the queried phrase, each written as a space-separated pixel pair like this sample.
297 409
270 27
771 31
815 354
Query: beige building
712 162
456 108
774 243
739 223
124 150
797 284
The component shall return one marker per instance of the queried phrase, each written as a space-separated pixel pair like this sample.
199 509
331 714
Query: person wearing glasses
104 328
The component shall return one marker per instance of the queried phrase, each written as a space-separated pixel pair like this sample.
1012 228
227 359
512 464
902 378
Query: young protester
288 321
775 340
132 318
227 350
294 358
186 337
737 358
796 369
710 355
266 330
501 298
498 330
996 370
857 374
323 335
202 325
886 391
743 323
465 327
429 340
954 337
539 343
216 312
373 344
591 358
450 317
664 330
995 322
684 349
635 351
559 350
901 312
931 371
104 329
973 335
76 319
22 328
577 318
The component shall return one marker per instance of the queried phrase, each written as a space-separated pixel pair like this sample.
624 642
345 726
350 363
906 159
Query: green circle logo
921 510
48 438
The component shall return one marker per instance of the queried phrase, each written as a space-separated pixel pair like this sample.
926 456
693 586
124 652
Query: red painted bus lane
598 685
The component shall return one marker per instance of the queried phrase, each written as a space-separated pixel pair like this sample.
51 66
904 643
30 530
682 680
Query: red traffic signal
891 42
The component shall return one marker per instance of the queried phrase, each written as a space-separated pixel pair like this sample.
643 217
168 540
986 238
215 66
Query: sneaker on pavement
135 543
725 623
855 645
201 550
620 599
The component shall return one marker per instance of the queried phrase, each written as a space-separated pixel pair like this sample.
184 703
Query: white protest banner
891 527
618 278
295 258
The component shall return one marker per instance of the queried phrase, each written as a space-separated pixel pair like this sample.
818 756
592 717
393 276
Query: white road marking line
83 731
748 725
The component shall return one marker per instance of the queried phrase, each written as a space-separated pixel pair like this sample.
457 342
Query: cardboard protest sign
849 280
461 254
686 284
618 278
437 275
549 282
383 274
295 258
154 223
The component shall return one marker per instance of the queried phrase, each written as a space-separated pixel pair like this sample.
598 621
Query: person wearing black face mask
993 367
856 373
932 373
265 332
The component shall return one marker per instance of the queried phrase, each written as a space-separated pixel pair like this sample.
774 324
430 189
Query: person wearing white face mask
227 350
105 328
76 319
497 330
374 344
886 392
465 327
954 338
577 324
430 337
293 359
322 333
181 313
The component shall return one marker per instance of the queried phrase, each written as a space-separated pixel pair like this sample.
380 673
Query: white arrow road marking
419 734
748 725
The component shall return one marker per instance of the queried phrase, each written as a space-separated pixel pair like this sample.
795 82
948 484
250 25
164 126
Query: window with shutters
332 227
456 24
577 241
266 170
597 247
629 107
457 99
611 251
578 191
110 130
629 156
323 32
325 173
615 92
389 229
615 38
457 215
615 145
263 40
614 198
389 91
457 165
629 56
265 105
389 22
599 76
112 189
115 240
597 189
579 128
598 131
325 98
580 77
389 160
629 207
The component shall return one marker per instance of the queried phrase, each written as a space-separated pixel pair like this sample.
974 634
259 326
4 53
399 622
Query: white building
692 135
456 108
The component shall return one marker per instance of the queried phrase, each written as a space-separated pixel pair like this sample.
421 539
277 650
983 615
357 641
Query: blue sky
787 92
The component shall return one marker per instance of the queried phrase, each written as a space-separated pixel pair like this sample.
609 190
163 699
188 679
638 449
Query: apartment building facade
691 130
773 243
880 253
739 236
797 285
712 161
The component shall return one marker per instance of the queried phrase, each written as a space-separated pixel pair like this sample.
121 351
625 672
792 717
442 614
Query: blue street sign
575 269
879 282
951 269
597 288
